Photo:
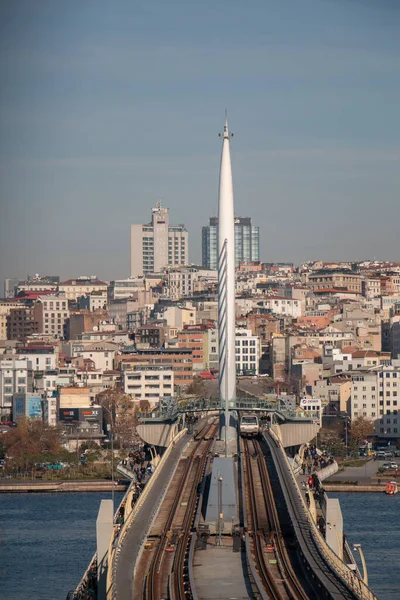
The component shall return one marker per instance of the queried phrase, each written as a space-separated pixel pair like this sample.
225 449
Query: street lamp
364 564
111 435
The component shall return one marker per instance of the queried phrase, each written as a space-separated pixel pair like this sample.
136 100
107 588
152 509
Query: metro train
249 425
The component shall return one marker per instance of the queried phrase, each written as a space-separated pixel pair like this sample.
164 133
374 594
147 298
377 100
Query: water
372 520
46 543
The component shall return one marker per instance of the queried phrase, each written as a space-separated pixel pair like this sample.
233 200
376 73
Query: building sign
34 408
313 404
19 407
90 414
68 414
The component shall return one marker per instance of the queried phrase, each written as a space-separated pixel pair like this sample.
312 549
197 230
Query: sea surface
47 541
373 520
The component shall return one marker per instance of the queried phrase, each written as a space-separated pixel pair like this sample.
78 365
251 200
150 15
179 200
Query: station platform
220 573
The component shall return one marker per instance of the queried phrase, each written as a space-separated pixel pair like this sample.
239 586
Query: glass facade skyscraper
247 242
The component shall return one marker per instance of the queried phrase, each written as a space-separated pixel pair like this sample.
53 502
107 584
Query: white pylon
226 282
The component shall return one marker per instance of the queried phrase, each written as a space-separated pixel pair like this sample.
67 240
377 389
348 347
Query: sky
107 107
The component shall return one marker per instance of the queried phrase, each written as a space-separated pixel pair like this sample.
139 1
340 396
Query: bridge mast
226 288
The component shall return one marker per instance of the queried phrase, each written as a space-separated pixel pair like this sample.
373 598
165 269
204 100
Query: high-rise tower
226 282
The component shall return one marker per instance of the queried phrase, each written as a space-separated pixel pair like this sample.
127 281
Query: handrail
342 571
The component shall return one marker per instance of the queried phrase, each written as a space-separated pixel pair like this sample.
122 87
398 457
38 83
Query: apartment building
51 314
21 323
44 357
280 305
375 395
180 282
247 350
335 279
195 337
72 289
180 359
158 244
16 377
148 382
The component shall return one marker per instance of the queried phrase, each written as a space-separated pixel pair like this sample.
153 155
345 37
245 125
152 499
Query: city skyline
106 111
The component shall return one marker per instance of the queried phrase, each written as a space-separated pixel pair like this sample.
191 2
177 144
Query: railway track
271 560
176 533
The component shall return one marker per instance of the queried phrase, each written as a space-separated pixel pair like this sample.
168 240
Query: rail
176 583
342 572
286 575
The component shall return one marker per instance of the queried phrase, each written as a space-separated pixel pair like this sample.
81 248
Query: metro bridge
159 426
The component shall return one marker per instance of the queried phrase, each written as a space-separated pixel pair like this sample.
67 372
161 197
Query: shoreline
60 487
340 487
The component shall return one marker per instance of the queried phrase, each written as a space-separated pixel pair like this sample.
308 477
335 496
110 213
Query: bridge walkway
132 543
319 565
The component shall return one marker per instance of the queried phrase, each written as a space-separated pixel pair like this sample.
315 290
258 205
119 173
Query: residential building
148 382
21 323
125 288
151 335
16 377
5 309
72 289
371 287
158 244
196 338
94 301
280 305
44 357
247 349
38 284
180 359
375 395
51 314
180 282
84 321
335 279
247 242
176 315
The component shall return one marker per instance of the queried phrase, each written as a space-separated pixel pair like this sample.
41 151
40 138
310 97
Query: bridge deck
132 543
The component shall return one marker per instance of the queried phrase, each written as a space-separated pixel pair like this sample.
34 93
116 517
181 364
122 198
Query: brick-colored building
195 337
263 325
21 323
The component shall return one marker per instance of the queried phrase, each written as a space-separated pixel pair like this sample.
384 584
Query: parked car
390 465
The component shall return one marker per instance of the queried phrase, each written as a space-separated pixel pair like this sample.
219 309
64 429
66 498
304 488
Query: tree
120 414
30 442
361 429
197 387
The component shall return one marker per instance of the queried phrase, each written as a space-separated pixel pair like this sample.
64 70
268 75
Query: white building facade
247 352
148 382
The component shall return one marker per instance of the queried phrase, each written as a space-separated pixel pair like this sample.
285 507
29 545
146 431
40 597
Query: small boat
391 488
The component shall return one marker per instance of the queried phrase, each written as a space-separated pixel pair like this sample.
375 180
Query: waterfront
373 521
47 541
